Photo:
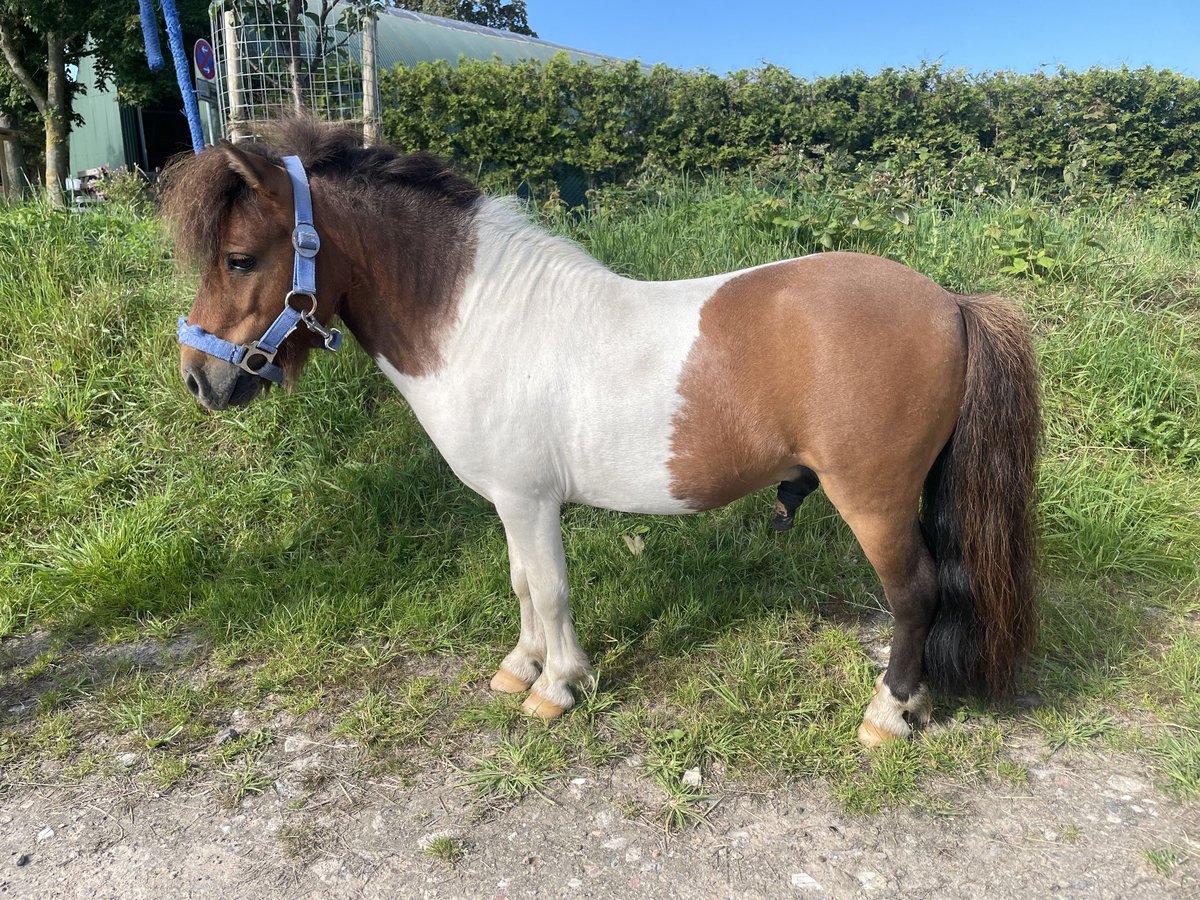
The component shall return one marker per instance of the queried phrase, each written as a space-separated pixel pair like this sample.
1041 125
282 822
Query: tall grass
294 530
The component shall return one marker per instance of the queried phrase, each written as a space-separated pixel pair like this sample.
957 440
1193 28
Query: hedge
1131 129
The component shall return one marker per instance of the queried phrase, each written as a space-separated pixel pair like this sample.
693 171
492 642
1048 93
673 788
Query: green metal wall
409 38
100 140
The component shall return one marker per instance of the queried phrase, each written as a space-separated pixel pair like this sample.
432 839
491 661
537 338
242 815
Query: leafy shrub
120 185
1089 133
1021 239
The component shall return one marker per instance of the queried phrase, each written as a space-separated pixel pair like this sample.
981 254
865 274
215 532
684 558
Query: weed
54 735
1022 239
66 690
1070 834
81 766
166 770
446 848
528 765
253 742
1012 771
245 778
684 808
1162 860
381 719
631 808
1177 751
494 713
304 701
38 666
1070 730
157 713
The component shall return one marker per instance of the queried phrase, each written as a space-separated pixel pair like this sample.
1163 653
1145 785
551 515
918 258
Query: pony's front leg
523 665
535 540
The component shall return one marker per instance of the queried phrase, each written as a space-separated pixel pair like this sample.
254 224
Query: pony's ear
269 179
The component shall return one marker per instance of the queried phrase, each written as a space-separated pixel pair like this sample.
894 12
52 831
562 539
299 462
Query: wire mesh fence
275 56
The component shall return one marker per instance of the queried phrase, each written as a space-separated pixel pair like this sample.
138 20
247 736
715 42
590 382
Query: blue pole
150 36
183 73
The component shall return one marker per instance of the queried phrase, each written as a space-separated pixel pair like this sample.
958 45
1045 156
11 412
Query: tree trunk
55 117
13 155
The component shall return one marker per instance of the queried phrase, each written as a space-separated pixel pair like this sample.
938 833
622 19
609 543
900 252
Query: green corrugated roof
409 38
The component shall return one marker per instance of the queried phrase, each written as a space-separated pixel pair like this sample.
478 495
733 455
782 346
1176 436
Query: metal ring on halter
331 336
287 301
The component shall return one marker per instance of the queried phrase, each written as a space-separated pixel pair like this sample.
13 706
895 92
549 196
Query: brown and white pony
543 378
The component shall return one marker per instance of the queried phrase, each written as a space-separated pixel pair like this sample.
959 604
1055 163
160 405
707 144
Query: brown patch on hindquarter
850 365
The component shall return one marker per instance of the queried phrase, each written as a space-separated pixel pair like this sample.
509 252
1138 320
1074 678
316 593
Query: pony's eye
240 262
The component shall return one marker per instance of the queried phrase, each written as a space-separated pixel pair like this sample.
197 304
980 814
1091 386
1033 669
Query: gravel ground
1080 827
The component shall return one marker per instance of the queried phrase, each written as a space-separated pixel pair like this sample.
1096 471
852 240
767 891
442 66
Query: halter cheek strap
258 357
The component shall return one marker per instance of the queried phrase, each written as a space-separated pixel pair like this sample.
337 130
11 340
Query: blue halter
258 357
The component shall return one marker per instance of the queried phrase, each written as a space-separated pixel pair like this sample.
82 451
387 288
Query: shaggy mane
199 190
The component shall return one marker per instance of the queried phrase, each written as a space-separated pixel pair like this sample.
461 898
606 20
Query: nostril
193 384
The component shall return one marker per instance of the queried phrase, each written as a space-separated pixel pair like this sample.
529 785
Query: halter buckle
255 359
331 336
305 240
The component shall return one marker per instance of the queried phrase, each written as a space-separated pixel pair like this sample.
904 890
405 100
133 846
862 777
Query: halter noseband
258 357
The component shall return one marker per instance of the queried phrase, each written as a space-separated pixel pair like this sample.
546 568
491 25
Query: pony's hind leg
535 540
523 664
892 541
790 495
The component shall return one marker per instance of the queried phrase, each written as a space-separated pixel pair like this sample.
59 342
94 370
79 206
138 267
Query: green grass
1163 861
325 563
446 849
519 766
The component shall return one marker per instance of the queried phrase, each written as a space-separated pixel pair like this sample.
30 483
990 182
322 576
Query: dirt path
1081 827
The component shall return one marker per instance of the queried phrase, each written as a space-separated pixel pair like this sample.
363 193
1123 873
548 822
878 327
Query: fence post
370 82
233 89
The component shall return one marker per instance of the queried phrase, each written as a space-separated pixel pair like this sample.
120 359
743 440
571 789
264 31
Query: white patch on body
559 378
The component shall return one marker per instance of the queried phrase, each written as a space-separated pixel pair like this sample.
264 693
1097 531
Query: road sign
206 61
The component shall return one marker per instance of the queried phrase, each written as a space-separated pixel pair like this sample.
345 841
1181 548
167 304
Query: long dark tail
978 511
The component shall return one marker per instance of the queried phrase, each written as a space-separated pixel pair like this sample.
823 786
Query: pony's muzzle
225 387
198 385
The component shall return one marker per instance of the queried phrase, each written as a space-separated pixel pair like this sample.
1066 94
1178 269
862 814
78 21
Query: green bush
1088 133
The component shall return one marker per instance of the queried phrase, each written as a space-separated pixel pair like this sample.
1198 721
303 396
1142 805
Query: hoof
539 706
871 735
888 719
507 683
784 518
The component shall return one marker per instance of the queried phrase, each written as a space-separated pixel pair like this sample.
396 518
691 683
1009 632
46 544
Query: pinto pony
544 378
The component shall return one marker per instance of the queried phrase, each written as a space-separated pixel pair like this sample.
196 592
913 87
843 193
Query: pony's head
397 228
232 209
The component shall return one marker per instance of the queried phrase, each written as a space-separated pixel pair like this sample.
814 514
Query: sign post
205 64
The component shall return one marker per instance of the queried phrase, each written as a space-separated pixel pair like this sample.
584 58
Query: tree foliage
1088 131
507 16
41 42
120 58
